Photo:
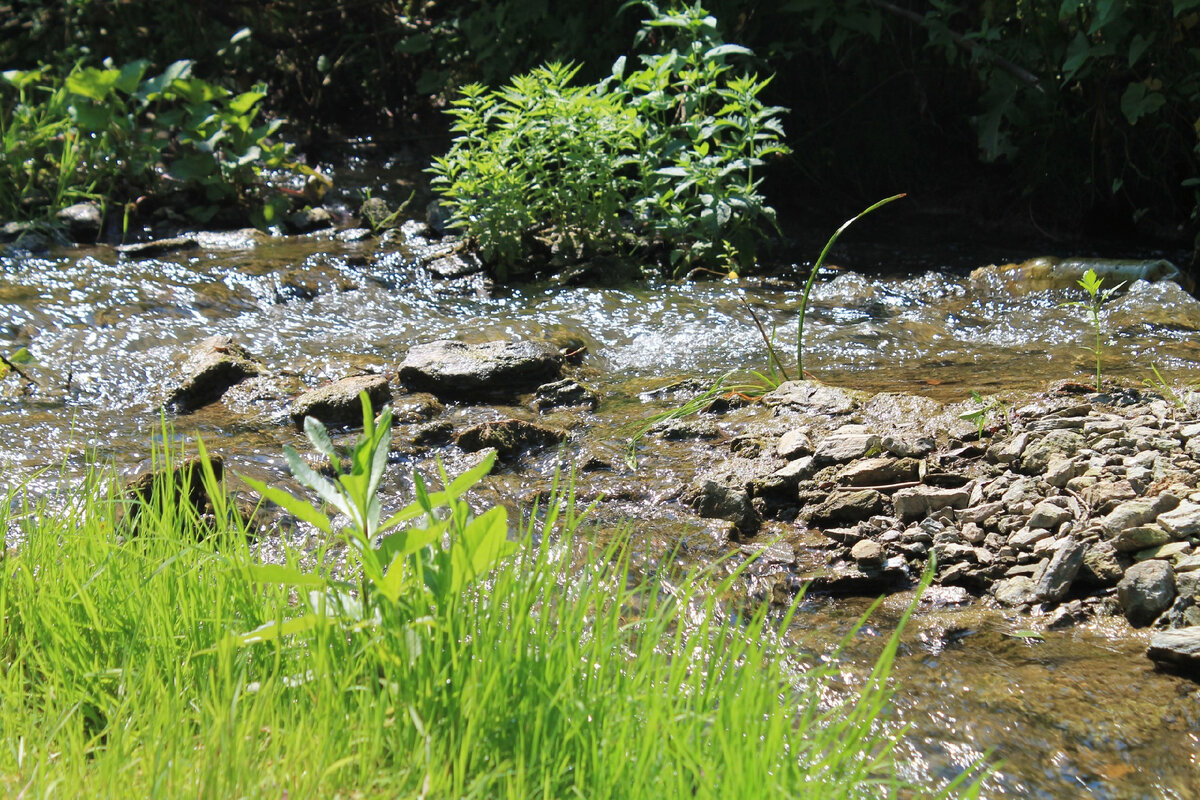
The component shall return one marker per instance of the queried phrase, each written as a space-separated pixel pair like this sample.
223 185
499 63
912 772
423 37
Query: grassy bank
126 670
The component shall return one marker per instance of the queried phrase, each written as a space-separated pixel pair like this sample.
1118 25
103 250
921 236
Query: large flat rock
455 370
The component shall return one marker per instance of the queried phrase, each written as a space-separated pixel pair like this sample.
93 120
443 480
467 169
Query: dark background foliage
1071 118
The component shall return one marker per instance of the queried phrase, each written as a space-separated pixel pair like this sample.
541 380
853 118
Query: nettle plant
114 133
664 158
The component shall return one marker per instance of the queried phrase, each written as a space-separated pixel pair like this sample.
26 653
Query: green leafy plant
663 157
989 411
403 570
1161 385
1091 284
115 134
816 268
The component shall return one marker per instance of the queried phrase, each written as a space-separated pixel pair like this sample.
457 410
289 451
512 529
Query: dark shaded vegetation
1073 118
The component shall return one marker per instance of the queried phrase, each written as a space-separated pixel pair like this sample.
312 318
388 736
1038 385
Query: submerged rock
490 371
564 393
214 366
1049 272
509 437
307 220
337 403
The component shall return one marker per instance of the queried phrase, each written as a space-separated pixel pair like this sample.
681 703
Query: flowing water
1080 713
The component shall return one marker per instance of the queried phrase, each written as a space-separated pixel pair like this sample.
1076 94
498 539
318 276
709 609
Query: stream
1080 712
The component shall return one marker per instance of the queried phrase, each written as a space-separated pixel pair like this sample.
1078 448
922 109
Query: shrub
115 134
665 157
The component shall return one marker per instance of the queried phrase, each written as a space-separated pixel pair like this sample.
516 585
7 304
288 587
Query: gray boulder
1146 591
715 500
489 371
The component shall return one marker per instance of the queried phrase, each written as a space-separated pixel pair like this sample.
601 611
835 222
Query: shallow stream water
1080 713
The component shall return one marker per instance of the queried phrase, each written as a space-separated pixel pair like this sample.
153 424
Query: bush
665 158
115 134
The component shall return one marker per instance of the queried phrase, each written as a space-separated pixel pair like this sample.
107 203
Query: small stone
843 507
1055 581
83 221
1178 648
868 555
215 365
309 219
1061 471
433 434
715 500
1055 444
564 393
1139 538
1015 591
879 471
509 437
415 408
1138 512
794 444
1188 564
1008 451
337 403
1048 515
1167 552
1146 591
1026 538
1183 521
919 501
1104 496
846 444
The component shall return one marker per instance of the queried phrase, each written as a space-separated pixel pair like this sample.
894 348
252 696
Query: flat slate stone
1177 648
455 370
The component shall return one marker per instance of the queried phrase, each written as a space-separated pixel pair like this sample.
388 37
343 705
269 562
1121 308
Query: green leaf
278 573
274 630
479 547
301 509
1137 101
314 480
245 101
22 356
156 85
727 50
95 84
319 437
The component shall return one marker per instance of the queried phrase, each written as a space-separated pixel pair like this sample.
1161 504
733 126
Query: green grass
563 674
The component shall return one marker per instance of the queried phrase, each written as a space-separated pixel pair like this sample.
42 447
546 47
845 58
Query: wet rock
685 430
919 501
416 408
849 579
1049 272
509 437
785 478
1015 591
1183 521
1139 537
184 483
158 247
812 397
716 500
352 235
215 365
868 555
1137 512
493 370
879 471
843 507
307 220
337 403
454 264
794 444
1146 591
376 214
1055 580
564 393
432 434
847 443
1054 445
1179 648
83 221
242 239
308 284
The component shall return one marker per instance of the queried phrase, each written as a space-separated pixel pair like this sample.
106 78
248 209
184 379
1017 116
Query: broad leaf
301 509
